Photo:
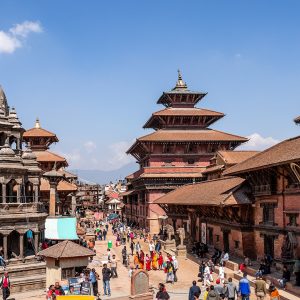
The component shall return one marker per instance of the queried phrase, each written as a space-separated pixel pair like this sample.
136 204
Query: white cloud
238 55
105 158
258 142
90 146
16 36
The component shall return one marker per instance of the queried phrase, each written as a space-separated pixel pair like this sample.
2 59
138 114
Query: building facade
40 141
175 154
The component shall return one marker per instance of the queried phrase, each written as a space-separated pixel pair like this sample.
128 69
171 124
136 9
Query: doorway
226 241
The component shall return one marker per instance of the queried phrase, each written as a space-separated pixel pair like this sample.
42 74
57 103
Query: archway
28 243
13 244
2 138
11 191
13 142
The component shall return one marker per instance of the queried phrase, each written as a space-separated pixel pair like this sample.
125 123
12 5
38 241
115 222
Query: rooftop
235 157
204 135
66 249
63 186
212 192
37 131
47 156
284 152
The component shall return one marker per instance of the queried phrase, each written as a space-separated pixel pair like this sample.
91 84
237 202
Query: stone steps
26 276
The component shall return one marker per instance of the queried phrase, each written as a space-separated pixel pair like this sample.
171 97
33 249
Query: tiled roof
236 157
68 174
204 135
187 112
45 156
211 192
279 154
212 169
66 249
39 132
63 186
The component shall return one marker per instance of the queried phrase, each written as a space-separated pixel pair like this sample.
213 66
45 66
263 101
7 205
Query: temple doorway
28 243
226 240
269 245
13 244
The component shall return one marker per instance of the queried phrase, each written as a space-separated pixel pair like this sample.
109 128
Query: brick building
254 210
175 154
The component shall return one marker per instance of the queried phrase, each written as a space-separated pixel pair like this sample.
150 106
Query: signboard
74 282
203 233
75 297
86 288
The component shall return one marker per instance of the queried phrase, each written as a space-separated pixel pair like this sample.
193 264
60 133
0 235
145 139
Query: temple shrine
22 217
175 154
40 141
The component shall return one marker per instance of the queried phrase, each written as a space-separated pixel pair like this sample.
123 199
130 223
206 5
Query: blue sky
93 70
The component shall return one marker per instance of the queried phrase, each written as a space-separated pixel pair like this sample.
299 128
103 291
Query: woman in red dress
142 259
148 263
160 261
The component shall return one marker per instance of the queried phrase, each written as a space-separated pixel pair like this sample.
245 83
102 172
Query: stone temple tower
22 218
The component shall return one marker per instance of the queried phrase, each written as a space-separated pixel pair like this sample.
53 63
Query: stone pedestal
145 296
181 251
170 244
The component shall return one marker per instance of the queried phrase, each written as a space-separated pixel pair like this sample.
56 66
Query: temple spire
180 84
37 123
3 101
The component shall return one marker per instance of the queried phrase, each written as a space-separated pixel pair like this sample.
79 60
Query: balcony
21 208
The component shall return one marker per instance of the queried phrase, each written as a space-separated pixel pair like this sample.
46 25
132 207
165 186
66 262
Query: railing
21 207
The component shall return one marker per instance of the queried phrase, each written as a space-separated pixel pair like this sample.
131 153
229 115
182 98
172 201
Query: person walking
170 272
175 265
219 288
260 288
106 275
94 280
244 287
193 290
113 267
160 261
132 246
148 262
124 255
230 290
162 293
5 285
274 294
212 294
104 233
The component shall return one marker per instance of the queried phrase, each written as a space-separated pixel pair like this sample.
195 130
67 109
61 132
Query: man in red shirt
5 285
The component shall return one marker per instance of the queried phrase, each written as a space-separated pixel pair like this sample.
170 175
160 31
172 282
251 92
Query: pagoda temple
175 154
40 141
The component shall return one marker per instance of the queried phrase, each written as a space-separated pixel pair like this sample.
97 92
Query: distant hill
102 177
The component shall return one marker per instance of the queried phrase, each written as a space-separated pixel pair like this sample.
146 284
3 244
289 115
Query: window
268 213
217 238
236 244
167 149
292 219
56 263
67 273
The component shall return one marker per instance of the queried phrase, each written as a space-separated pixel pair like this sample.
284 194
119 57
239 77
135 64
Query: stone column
52 200
19 193
21 245
5 246
73 205
36 193
3 192
36 241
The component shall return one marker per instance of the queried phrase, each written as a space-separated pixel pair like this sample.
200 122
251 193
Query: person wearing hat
219 288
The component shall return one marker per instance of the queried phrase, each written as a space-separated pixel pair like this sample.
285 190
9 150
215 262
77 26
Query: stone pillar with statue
181 248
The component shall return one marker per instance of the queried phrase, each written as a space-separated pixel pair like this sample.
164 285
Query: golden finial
180 84
37 123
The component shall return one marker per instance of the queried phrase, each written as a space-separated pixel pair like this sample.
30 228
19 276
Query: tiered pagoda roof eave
184 112
167 98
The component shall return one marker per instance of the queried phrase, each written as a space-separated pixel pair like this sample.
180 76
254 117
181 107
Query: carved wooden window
292 219
268 213
67 273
